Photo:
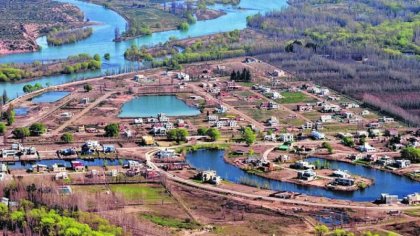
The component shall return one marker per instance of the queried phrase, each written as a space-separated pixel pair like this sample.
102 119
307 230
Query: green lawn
140 191
171 222
294 97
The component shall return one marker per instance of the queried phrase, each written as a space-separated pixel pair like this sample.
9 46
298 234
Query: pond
385 182
21 111
19 165
50 97
147 106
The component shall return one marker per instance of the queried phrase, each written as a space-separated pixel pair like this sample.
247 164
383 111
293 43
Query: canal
385 182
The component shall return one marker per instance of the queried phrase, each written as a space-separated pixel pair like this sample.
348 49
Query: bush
3 128
112 130
67 138
37 129
21 132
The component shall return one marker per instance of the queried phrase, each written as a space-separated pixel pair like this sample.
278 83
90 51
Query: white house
317 135
286 137
366 148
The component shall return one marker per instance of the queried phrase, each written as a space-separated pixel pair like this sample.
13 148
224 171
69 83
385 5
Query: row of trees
36 129
244 76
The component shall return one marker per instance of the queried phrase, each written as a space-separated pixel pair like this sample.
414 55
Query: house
183 76
341 174
303 165
3 168
362 133
151 120
365 113
374 125
273 95
108 148
180 123
402 163
324 92
209 176
148 140
270 137
17 146
366 148
317 135
58 167
344 181
66 115
350 105
138 121
375 132
286 137
139 78
81 129
385 161
212 118
77 166
388 199
221 109
214 90
92 144
134 164
159 130
314 90
64 190
326 118
386 119
307 175
412 199
272 106
162 118
273 121
39 168
85 101
61 176
304 108
308 125
167 153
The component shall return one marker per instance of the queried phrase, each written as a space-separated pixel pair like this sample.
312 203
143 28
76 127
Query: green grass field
294 97
140 191
171 221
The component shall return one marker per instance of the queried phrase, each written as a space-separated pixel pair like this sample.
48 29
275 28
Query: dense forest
367 49
22 21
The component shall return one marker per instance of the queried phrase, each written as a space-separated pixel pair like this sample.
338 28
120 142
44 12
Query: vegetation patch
171 222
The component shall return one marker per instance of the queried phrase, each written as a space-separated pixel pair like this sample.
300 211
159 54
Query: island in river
22 22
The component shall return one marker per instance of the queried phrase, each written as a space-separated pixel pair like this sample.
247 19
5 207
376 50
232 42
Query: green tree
96 57
249 136
321 230
2 128
21 132
107 56
202 131
177 135
9 115
87 87
214 134
112 130
348 141
67 137
411 153
184 26
37 129
328 147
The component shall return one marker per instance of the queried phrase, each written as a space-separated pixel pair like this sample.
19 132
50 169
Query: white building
286 137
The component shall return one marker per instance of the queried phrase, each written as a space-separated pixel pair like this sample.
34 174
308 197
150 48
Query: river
385 182
101 40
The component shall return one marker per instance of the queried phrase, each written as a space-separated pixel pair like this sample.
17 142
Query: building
39 168
402 163
366 148
270 137
341 174
386 119
286 137
344 181
326 118
304 108
209 176
77 166
58 167
183 76
162 118
303 165
138 121
412 199
388 199
61 176
273 121
167 153
221 109
307 175
64 190
317 135
148 140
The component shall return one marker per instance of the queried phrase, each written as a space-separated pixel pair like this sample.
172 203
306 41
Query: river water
385 182
101 40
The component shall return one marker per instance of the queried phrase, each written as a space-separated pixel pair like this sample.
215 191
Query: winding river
101 40
385 182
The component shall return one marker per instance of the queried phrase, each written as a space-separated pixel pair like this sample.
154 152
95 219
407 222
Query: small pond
147 106
50 97
21 111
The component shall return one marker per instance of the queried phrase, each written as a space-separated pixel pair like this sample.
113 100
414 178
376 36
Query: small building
148 140
344 181
307 175
341 174
362 133
3 168
167 153
304 108
303 165
412 199
365 113
386 119
61 176
212 118
221 109
108 148
64 190
402 163
58 167
326 118
77 166
388 199
270 137
85 100
39 168
317 135
375 132
366 148
138 121
273 121
286 137
209 176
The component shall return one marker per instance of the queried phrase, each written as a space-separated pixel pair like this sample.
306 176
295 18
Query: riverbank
20 34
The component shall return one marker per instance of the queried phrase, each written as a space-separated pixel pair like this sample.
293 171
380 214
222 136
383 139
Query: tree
177 135
249 136
411 153
37 129
87 87
348 141
21 132
5 97
202 131
112 130
107 56
96 57
67 137
2 128
321 230
328 147
213 133
9 115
